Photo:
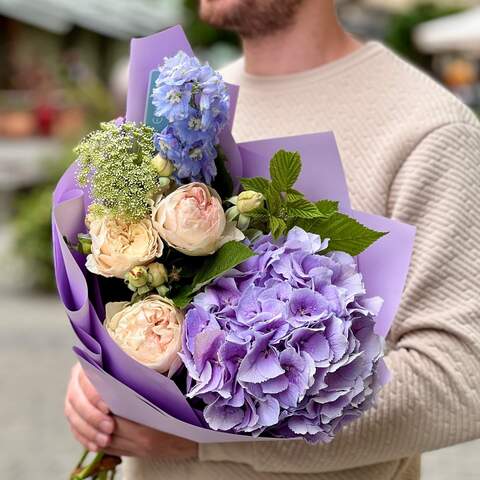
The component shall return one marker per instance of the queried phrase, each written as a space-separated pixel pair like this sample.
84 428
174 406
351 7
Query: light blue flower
179 69
191 130
172 101
195 162
195 101
168 145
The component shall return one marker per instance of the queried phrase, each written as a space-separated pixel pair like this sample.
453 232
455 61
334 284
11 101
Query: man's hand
96 430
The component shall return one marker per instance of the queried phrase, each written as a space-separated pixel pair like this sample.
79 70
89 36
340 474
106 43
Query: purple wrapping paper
322 173
146 54
134 391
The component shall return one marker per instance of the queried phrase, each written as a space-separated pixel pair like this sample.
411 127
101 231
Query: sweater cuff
227 452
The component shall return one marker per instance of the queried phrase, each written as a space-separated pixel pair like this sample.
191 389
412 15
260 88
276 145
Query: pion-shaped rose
191 220
150 331
118 245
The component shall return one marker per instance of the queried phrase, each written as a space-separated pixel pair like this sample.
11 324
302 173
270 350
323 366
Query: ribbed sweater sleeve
433 399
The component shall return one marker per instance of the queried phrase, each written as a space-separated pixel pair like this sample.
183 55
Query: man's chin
250 18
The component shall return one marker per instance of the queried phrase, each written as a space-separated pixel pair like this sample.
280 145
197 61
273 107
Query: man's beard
251 18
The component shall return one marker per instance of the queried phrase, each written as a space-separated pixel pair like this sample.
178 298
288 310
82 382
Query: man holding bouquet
410 151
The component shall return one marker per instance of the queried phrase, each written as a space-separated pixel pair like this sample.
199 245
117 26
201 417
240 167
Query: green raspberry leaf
223 260
302 208
257 184
327 207
345 233
293 195
285 168
260 213
277 226
274 200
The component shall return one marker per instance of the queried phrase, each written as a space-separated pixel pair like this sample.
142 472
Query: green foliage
257 184
327 207
32 227
277 226
32 237
117 162
302 208
274 200
285 168
286 207
345 234
399 32
224 259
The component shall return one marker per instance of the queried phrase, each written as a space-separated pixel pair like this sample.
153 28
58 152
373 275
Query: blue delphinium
284 345
194 100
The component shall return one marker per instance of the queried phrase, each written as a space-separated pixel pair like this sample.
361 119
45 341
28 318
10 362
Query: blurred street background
63 68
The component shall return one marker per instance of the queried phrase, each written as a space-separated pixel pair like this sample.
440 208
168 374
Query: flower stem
89 469
82 459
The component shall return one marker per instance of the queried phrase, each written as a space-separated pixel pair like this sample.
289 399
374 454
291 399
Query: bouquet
220 292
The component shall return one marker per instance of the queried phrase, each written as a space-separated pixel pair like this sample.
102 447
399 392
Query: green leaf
285 168
260 213
224 259
293 195
345 233
327 207
183 297
257 184
274 200
277 226
302 208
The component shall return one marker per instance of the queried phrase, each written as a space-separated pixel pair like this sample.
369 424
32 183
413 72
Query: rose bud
163 290
137 277
163 166
157 274
163 183
84 244
249 200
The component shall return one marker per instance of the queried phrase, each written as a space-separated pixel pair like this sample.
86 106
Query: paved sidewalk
35 359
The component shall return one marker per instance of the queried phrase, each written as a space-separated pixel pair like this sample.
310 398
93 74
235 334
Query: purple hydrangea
284 345
194 100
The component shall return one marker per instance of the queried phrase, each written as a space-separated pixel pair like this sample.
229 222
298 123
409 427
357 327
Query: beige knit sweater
410 151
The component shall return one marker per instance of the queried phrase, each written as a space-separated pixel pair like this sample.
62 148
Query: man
410 151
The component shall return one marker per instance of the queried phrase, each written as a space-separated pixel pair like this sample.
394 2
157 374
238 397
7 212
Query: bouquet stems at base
102 467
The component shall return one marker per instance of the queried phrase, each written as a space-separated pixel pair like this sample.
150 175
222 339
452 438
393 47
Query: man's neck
315 39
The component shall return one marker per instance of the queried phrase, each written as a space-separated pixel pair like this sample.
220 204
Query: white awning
113 18
460 32
404 5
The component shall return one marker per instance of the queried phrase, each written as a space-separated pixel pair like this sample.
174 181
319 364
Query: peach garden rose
149 331
118 245
191 220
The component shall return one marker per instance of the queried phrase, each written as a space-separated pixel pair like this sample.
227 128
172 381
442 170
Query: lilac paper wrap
134 391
